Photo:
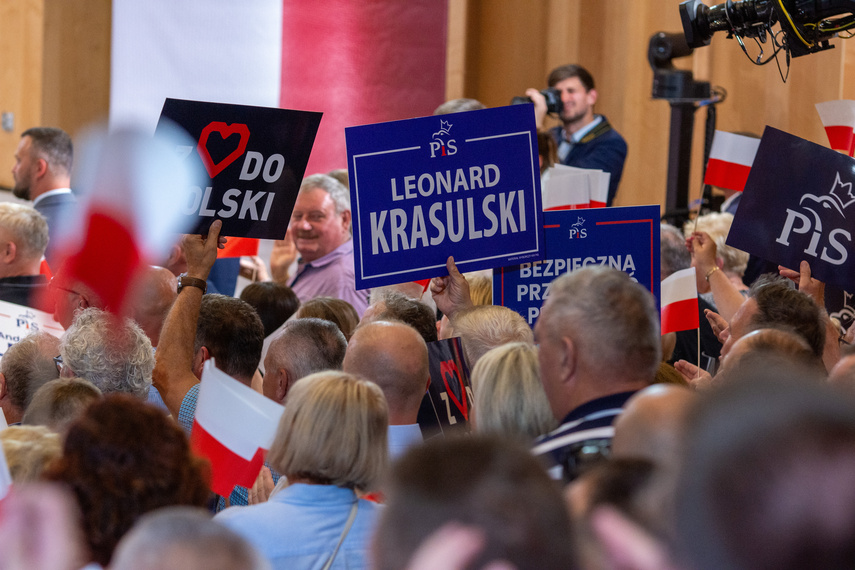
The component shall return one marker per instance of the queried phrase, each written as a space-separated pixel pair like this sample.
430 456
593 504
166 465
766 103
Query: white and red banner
131 212
680 301
354 61
234 428
16 322
731 157
838 118
572 188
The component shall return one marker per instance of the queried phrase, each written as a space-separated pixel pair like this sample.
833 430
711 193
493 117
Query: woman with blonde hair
509 398
331 445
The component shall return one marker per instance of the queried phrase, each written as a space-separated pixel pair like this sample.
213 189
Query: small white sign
17 321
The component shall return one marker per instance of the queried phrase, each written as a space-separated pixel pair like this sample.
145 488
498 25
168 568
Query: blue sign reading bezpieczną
623 238
465 184
797 205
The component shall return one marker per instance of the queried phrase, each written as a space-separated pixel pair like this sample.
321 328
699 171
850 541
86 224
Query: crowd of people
593 442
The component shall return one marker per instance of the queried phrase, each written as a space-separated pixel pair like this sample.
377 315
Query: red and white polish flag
234 428
600 189
131 212
838 118
679 293
731 157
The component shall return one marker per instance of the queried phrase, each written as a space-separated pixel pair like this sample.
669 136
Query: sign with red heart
255 159
450 394
225 131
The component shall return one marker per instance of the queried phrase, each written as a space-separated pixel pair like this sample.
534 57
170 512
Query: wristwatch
185 281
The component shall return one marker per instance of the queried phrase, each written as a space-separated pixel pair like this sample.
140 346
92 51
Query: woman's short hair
274 303
333 431
59 402
331 309
509 398
29 449
487 326
123 458
480 289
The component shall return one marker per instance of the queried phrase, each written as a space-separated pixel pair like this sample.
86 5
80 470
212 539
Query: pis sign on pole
799 204
623 238
255 159
465 184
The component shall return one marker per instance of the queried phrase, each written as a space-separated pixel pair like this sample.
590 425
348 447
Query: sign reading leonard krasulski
799 204
465 185
255 158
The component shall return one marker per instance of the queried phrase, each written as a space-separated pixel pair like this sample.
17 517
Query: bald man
843 374
155 294
770 343
652 427
652 424
394 356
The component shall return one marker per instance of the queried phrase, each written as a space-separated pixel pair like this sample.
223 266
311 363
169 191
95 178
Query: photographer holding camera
586 140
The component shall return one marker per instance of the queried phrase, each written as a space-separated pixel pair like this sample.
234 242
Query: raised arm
173 371
727 297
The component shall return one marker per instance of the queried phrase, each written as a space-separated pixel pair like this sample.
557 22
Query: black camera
807 25
553 100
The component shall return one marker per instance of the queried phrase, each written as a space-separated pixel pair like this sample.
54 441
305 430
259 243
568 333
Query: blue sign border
485 125
555 221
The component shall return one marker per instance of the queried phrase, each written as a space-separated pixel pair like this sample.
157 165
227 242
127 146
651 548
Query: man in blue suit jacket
42 173
586 140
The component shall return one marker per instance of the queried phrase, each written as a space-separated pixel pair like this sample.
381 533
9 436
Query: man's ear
10 252
592 97
345 220
569 356
2 386
41 167
174 255
199 361
286 382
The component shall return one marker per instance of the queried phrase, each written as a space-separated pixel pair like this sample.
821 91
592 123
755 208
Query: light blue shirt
402 437
299 527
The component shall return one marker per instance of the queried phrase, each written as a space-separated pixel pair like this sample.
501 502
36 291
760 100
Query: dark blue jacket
603 148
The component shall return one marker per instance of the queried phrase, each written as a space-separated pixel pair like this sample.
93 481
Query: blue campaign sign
465 184
623 238
797 205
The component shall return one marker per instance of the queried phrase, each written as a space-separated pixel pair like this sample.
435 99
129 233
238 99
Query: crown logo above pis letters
839 197
830 246
576 230
442 145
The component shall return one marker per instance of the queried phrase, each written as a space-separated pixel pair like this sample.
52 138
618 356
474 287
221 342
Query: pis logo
576 230
838 199
442 145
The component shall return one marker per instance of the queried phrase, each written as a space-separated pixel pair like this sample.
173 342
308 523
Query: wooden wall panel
20 74
456 52
509 48
76 63
519 41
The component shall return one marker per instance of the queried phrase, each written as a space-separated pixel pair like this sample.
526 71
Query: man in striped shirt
599 340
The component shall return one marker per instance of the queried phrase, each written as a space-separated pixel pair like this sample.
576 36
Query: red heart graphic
450 367
225 131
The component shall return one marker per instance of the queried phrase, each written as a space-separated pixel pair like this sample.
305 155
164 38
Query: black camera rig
806 26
